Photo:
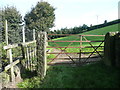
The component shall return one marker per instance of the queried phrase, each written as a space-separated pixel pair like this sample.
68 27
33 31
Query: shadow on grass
95 75
28 74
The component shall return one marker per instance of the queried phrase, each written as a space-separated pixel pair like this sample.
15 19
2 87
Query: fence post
6 36
80 48
23 32
22 47
28 59
33 34
6 32
12 68
41 54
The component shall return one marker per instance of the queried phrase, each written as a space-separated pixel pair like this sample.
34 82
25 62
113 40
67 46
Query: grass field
101 31
95 75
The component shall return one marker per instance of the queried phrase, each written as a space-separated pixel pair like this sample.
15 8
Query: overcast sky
70 13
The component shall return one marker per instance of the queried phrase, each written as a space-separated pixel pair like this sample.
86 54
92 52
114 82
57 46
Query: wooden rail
17 45
72 35
11 65
74 53
73 41
82 39
75 47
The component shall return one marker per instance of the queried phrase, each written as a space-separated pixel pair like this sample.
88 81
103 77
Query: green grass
49 57
100 31
104 30
95 75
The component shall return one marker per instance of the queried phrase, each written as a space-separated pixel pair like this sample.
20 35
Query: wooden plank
72 58
91 52
45 59
72 34
75 47
79 56
16 45
6 32
62 34
94 35
30 51
65 47
33 34
62 58
80 40
74 52
27 43
28 59
74 41
63 53
33 53
81 37
12 64
10 46
23 33
12 69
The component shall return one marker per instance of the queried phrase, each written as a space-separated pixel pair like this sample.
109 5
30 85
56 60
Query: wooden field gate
81 39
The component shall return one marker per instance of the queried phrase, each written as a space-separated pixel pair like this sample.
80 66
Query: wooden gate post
41 54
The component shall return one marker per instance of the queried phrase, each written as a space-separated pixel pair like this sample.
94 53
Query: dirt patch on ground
13 84
73 58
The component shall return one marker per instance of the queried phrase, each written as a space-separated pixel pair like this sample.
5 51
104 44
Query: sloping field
100 31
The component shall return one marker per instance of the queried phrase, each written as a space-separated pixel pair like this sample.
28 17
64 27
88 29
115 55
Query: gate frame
81 41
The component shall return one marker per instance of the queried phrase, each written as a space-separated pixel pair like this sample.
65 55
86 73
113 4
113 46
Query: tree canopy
14 20
41 17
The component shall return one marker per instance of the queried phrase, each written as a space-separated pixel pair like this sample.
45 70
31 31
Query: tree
1 27
14 19
41 17
105 21
84 27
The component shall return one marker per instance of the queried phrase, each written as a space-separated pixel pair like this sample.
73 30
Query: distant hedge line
104 24
81 29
